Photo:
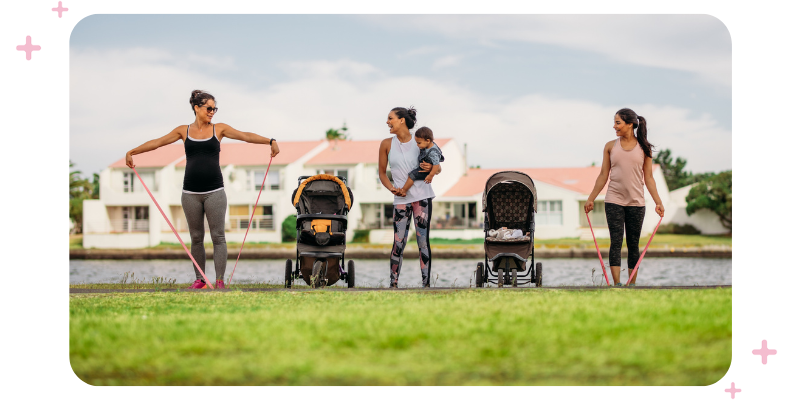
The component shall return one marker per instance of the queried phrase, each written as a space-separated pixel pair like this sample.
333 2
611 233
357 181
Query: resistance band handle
641 257
602 265
251 221
208 282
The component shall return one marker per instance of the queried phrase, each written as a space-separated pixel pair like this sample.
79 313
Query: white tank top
403 160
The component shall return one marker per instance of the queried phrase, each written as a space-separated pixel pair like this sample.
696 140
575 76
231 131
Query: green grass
465 337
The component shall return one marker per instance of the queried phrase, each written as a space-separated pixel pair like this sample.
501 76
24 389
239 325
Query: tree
79 190
674 174
337 134
715 194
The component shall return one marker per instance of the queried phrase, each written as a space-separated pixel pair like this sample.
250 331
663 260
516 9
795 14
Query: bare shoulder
386 144
609 145
181 131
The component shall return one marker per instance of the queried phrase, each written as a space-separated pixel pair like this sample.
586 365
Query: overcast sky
520 91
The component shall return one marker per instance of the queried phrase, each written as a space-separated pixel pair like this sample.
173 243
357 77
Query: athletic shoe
220 284
198 284
632 284
618 284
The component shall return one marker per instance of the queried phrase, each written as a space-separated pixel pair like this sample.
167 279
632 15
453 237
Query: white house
125 217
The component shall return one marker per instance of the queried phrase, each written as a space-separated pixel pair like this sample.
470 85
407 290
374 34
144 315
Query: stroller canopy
322 193
509 176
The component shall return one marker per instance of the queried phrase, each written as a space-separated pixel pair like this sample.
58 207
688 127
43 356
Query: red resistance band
598 250
641 257
208 282
251 221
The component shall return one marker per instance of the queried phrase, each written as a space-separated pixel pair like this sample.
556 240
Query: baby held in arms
428 152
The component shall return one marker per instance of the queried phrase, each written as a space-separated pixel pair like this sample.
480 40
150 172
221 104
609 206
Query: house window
262 217
550 213
597 215
273 181
335 172
127 182
136 219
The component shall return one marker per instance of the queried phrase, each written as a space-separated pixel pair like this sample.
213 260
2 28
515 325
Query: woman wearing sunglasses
203 191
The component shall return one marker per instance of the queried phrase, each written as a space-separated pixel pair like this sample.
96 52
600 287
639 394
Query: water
446 273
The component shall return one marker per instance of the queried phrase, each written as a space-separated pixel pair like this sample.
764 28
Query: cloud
120 99
446 61
698 44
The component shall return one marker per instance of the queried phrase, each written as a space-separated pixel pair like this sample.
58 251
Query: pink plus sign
733 390
60 9
28 48
764 352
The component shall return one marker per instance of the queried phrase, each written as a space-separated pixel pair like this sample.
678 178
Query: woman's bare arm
383 160
226 130
602 178
151 145
651 185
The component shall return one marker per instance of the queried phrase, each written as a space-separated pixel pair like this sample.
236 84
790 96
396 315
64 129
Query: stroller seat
523 239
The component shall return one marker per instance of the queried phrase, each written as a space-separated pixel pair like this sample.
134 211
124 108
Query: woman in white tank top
628 161
401 153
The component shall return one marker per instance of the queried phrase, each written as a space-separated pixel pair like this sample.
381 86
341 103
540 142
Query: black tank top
202 164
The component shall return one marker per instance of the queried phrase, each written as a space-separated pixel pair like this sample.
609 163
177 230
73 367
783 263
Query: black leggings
627 219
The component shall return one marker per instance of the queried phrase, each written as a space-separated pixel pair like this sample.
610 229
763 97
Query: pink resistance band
251 221
641 257
598 250
208 282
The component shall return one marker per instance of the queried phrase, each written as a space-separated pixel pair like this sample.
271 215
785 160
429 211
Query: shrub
678 229
289 229
360 236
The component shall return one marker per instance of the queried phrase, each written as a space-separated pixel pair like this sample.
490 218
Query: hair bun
412 113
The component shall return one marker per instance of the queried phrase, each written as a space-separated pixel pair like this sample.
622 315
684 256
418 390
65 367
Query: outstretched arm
226 130
151 145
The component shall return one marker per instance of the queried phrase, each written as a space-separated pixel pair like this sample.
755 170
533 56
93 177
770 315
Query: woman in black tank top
203 191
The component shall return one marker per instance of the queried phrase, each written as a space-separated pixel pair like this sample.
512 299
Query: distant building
125 217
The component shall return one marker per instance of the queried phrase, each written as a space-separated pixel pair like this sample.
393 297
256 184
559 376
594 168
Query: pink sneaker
220 284
198 284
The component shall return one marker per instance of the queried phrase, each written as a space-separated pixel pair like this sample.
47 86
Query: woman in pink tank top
628 162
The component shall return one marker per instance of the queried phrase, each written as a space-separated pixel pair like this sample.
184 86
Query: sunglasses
210 109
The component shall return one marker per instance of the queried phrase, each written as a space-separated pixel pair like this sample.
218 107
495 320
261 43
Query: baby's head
424 137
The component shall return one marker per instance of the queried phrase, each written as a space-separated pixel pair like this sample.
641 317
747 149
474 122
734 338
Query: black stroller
322 202
509 201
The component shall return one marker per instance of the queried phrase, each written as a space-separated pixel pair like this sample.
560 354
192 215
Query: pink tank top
626 183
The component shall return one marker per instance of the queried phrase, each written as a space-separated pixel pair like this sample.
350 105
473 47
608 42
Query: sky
521 91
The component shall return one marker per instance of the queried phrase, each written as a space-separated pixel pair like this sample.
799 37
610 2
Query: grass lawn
463 337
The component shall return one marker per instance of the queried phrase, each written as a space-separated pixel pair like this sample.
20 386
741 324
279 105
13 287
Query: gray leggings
213 205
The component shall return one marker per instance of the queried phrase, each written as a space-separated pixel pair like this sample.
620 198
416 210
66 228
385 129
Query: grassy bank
465 337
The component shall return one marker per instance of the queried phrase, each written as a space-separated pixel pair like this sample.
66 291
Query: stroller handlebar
304 177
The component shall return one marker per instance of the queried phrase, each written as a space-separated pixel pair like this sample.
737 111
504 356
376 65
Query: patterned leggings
421 212
628 219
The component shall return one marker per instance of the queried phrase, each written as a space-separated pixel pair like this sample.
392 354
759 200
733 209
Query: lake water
445 273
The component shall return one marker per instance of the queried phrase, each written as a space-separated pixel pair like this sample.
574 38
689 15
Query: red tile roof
580 179
353 152
237 153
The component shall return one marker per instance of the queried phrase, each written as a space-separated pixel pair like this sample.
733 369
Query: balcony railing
260 222
128 225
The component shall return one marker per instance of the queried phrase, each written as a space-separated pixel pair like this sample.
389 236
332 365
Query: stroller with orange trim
322 202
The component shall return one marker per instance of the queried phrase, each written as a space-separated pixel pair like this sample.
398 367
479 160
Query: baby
428 152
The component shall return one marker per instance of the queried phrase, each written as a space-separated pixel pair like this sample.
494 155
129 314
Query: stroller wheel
479 275
538 274
288 281
317 275
514 277
351 274
500 278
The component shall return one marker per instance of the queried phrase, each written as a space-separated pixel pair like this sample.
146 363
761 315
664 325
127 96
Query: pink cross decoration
733 390
764 352
60 9
28 48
